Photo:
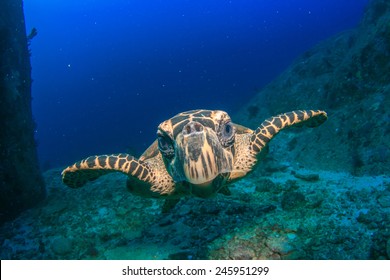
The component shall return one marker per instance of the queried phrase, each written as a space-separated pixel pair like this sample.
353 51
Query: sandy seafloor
289 214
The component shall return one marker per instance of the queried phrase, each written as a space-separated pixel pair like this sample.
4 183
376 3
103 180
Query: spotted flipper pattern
141 174
271 126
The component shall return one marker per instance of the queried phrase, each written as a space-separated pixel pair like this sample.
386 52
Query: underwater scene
192 130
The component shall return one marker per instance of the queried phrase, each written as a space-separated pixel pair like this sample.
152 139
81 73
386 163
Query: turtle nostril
192 127
198 127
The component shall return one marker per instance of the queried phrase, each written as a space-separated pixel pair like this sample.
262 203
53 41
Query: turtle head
198 149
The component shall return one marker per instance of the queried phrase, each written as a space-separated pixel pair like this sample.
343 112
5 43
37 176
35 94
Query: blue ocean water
106 73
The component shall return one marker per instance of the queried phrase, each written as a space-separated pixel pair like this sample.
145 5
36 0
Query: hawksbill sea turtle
198 153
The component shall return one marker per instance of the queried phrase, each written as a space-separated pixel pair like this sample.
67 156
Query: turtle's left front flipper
141 175
271 126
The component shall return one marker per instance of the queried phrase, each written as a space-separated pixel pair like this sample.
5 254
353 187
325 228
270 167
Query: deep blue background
106 73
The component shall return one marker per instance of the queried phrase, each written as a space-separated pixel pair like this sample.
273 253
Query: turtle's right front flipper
141 175
93 167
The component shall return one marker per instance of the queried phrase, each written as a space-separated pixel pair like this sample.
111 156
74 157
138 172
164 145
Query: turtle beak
201 156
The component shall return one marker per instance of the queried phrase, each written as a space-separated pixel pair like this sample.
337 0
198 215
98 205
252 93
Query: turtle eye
227 134
165 146
162 143
228 130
